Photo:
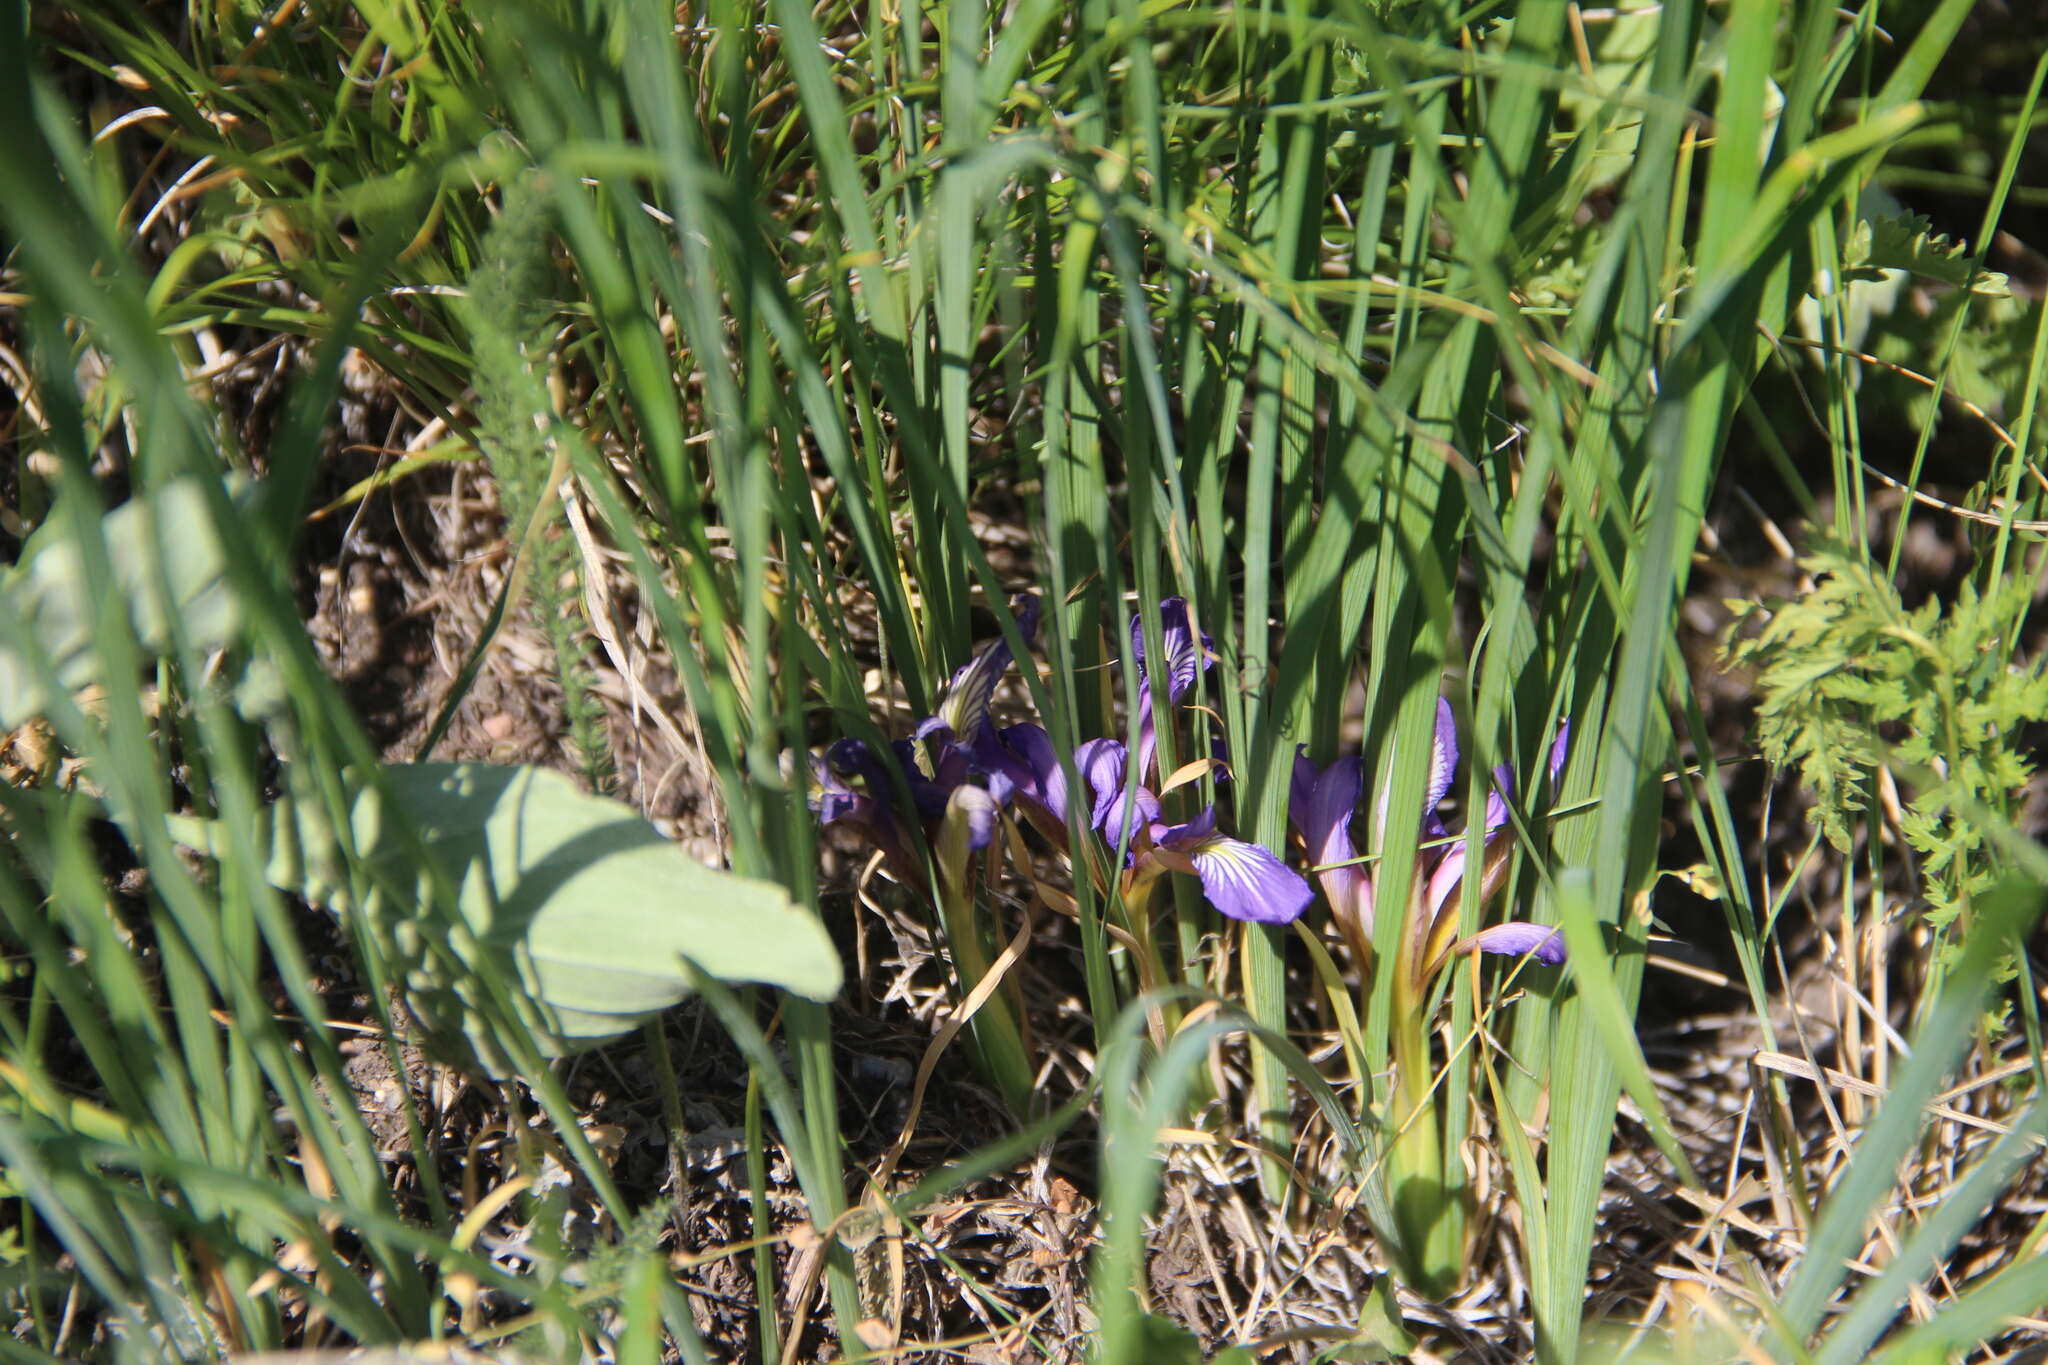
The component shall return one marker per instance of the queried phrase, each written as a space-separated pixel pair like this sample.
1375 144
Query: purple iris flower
1243 880
866 806
957 748
1030 765
1322 804
1240 878
962 770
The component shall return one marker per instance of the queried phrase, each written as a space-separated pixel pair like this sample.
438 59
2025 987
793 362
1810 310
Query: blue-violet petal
1242 880
1517 938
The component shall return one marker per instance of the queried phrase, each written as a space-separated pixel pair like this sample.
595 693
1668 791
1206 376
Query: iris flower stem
994 1027
1192 920
1191 923
1161 1020
1429 1228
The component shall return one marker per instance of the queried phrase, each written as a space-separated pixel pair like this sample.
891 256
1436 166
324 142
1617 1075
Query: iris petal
851 758
1325 816
1517 938
1443 757
1243 880
1034 768
964 708
1321 805
867 807
833 800
1300 783
1445 877
1183 838
1101 764
975 812
1177 638
1104 765
912 757
1502 792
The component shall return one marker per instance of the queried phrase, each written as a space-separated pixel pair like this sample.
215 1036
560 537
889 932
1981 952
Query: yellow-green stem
997 1037
1427 1214
1163 1019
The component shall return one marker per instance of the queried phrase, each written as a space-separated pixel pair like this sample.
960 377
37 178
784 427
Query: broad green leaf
47 591
573 897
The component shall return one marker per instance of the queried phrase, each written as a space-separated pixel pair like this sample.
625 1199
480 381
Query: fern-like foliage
1908 241
1850 678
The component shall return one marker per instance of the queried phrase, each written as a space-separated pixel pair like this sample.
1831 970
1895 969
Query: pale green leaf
47 591
573 897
